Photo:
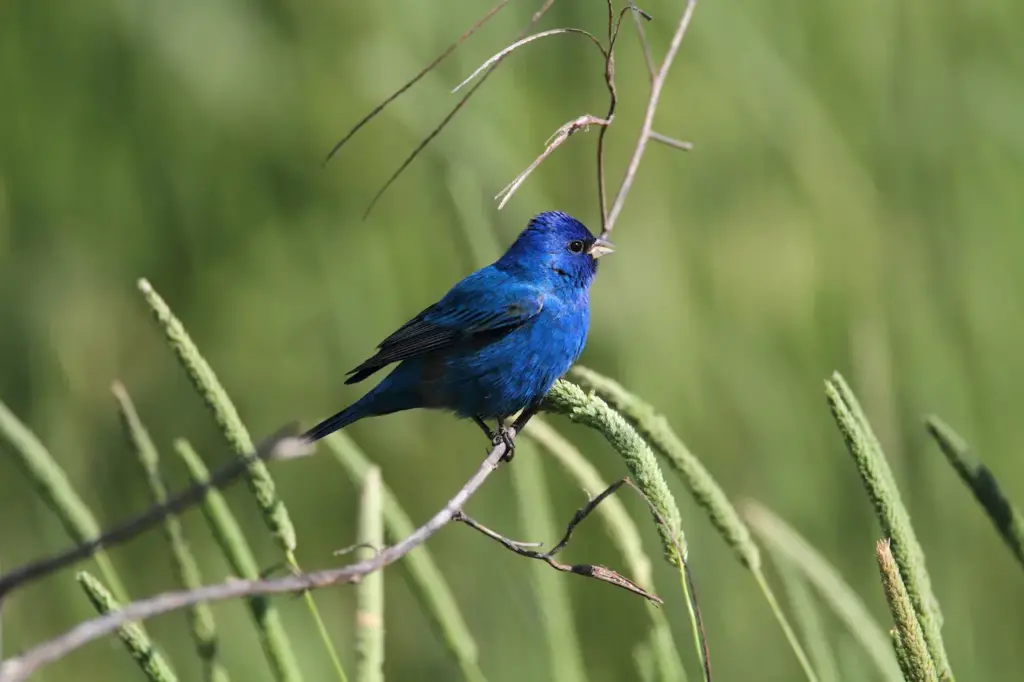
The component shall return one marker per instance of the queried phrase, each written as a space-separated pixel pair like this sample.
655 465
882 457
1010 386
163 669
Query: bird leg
479 421
504 433
533 408
502 436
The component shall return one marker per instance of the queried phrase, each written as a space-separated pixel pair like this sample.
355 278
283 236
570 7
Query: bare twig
451 114
652 106
614 24
597 572
554 142
528 39
645 45
20 667
282 445
671 141
415 79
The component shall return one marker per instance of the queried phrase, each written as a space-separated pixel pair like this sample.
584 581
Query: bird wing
486 302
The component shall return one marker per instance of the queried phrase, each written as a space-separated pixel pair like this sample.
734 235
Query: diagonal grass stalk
152 663
200 616
47 476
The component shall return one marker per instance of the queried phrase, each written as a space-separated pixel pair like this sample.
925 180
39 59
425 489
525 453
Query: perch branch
590 570
282 445
20 667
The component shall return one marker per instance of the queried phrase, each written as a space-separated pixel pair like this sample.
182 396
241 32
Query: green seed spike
570 400
892 514
152 663
1004 515
656 430
913 654
60 496
216 398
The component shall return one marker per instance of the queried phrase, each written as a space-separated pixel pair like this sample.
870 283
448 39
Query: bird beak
600 247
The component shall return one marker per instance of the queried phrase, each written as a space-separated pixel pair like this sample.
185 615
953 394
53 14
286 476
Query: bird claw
504 436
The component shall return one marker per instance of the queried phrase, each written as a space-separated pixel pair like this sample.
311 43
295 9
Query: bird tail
338 421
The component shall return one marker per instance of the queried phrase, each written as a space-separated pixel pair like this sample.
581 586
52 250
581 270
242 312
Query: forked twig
595 571
652 106
671 141
554 142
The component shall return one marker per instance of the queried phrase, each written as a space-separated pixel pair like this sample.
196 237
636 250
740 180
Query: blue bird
497 341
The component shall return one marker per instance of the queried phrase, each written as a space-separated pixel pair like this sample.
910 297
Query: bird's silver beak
600 247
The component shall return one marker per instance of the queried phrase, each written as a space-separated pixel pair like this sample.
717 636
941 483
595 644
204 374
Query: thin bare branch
554 142
451 114
415 79
614 24
597 572
20 667
282 445
652 107
528 39
645 45
671 141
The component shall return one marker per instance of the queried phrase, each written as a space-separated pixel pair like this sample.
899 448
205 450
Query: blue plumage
497 341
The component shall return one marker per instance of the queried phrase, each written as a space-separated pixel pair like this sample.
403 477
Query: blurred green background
855 201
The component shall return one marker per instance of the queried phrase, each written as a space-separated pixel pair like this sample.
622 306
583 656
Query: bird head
558 248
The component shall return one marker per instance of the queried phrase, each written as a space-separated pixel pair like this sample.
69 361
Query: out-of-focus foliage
854 202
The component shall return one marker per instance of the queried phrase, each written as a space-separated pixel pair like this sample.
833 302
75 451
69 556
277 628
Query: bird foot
504 435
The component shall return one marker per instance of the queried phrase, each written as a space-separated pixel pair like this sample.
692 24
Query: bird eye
576 246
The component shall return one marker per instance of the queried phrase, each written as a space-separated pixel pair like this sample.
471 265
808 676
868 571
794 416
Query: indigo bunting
497 341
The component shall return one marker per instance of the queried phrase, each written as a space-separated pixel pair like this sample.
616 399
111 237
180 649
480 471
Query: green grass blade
151 662
1008 520
912 652
200 616
789 548
643 657
53 486
537 518
624 535
428 582
370 590
808 620
787 628
892 514
228 535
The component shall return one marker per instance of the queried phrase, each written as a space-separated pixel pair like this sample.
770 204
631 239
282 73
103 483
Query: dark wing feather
466 311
